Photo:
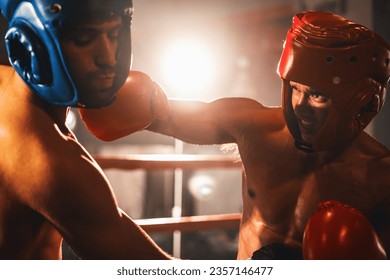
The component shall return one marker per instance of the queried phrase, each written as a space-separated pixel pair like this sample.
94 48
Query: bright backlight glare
188 68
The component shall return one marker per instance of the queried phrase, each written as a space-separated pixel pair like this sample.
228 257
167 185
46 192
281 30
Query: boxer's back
25 234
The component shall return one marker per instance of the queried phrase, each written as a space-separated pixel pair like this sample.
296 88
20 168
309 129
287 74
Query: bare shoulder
59 179
376 157
374 153
378 180
379 173
42 161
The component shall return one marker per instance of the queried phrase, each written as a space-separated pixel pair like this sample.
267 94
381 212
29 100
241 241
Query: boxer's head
50 43
344 62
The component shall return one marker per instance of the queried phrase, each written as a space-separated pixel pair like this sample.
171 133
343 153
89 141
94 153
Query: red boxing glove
340 232
138 102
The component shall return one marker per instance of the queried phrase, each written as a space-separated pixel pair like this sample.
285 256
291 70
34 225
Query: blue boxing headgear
34 50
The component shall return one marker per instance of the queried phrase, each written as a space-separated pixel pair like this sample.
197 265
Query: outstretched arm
216 122
142 104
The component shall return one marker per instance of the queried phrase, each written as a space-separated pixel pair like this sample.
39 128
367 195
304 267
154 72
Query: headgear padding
345 61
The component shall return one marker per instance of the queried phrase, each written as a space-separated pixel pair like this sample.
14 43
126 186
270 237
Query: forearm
140 244
120 239
194 122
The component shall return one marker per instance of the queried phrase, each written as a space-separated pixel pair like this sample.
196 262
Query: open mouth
306 124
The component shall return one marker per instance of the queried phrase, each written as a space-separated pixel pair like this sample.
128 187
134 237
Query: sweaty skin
283 184
51 188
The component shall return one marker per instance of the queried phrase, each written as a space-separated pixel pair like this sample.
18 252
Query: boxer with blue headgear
33 41
62 53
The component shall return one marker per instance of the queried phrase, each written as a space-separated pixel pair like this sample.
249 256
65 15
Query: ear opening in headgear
28 55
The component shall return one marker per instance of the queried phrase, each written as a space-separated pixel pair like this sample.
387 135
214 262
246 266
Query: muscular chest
284 189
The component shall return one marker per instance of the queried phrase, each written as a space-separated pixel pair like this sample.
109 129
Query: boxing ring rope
166 161
150 162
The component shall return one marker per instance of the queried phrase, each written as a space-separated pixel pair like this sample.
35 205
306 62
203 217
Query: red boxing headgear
342 59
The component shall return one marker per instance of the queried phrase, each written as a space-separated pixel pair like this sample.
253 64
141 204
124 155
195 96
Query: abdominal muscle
254 234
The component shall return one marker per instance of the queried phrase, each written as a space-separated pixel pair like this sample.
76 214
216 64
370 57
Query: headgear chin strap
33 46
342 59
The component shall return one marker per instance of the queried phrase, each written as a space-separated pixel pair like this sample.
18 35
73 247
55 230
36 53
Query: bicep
77 200
80 203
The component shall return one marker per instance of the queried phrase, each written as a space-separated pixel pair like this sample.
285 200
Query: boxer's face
90 51
311 110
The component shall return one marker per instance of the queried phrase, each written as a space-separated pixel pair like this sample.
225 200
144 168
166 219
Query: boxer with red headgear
311 149
63 53
345 61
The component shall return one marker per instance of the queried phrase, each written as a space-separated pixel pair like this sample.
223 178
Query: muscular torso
24 233
51 188
284 185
